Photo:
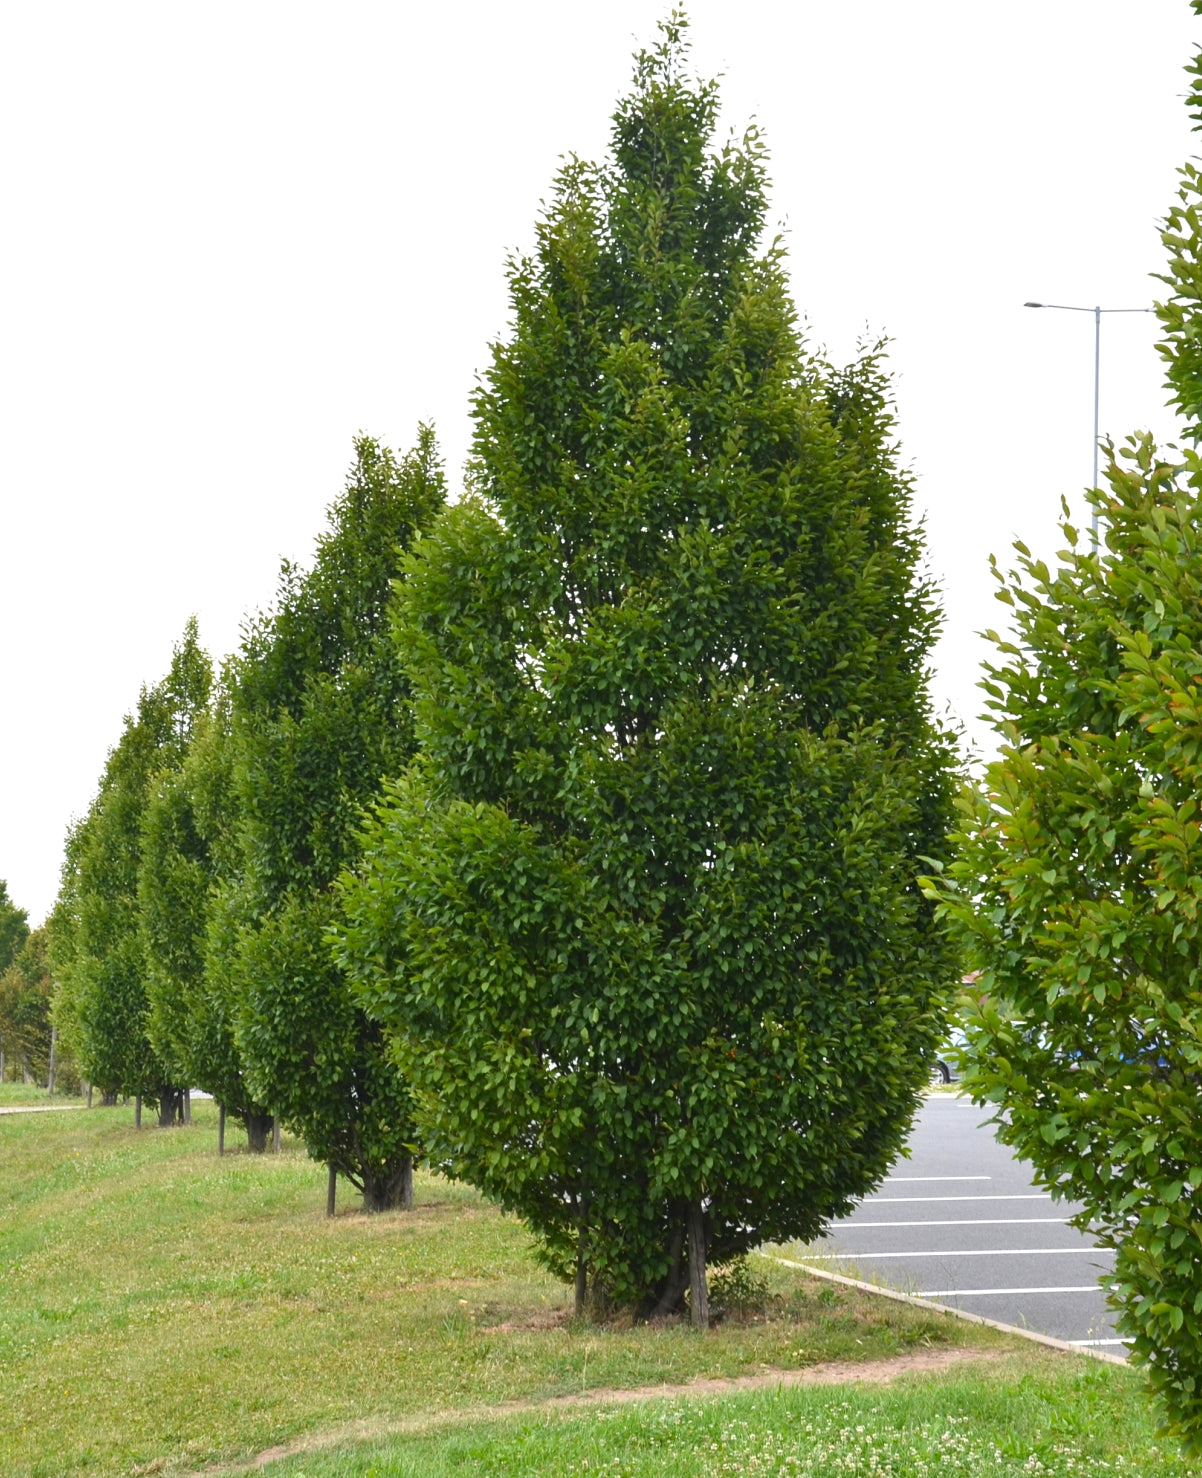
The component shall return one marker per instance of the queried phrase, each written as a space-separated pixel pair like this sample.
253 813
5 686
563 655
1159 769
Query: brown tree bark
331 1191
221 1129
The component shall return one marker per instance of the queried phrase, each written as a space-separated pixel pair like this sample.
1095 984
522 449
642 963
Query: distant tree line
28 1046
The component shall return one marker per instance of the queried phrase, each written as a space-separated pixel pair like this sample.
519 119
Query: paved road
961 1222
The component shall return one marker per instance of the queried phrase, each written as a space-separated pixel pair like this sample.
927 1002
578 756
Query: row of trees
571 833
187 938
632 938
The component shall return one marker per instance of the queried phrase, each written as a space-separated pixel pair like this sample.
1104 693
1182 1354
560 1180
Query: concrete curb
935 1308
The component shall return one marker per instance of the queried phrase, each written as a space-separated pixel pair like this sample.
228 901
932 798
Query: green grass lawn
1056 1418
161 1309
14 1095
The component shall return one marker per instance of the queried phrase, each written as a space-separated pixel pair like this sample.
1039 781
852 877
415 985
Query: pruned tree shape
641 922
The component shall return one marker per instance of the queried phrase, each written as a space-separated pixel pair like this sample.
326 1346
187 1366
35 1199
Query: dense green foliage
14 927
190 848
96 937
26 990
642 921
318 715
1079 881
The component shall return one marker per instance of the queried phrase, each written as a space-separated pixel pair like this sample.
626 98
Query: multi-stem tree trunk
258 1125
392 1189
170 1105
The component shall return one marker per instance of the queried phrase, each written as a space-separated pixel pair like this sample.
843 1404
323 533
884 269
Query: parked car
946 1067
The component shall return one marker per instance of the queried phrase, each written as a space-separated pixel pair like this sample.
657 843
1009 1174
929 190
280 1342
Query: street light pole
1097 375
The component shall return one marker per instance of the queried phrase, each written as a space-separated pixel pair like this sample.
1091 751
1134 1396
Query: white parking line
967 1252
998 1221
897 1179
993 1292
914 1200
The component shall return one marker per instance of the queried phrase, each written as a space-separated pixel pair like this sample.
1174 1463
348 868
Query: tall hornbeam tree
97 945
642 921
190 850
319 715
1078 889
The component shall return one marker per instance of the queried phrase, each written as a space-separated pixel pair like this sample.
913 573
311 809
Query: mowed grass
1053 1416
24 1094
161 1308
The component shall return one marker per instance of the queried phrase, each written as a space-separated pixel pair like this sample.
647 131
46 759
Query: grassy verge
161 1308
17 1095
1043 1415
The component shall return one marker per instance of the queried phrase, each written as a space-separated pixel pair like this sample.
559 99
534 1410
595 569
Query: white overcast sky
235 234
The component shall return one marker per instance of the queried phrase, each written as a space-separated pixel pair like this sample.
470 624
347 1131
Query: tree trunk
108 1100
275 1134
676 1282
187 1105
581 1277
331 1191
221 1129
698 1290
391 1191
170 1105
2 1077
258 1122
138 1112
89 1095
53 1061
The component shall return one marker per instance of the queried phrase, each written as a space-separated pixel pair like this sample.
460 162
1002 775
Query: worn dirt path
843 1372
39 1108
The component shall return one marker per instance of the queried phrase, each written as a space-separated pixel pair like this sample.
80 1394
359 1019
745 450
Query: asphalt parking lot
961 1223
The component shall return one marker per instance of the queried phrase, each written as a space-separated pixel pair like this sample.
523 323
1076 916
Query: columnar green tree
14 927
642 922
26 1028
1078 888
319 708
190 849
96 936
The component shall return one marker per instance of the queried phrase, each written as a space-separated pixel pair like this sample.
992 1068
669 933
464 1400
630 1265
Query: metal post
1097 310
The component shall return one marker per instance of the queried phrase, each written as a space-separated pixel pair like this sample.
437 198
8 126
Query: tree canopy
641 920
14 927
318 705
96 937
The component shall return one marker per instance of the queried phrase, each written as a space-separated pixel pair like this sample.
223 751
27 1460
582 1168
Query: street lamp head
1032 305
